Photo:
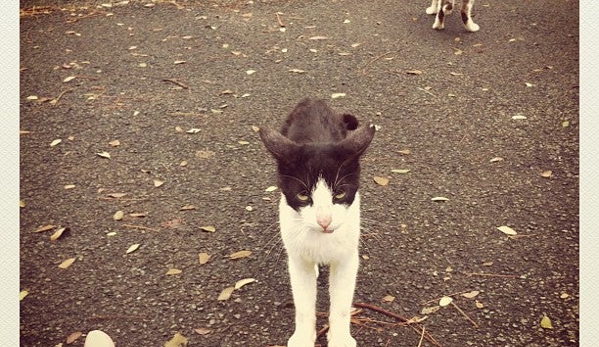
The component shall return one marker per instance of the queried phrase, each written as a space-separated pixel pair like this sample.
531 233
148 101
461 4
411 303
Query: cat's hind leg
434 7
467 16
445 7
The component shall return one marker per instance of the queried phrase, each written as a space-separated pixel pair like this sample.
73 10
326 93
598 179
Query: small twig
464 314
55 101
322 331
140 227
421 337
490 275
426 91
279 19
398 317
180 84
373 60
381 310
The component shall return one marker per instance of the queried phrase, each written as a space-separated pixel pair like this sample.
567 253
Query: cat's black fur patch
316 142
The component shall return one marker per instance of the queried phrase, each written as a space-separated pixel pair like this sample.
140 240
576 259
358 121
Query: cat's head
319 180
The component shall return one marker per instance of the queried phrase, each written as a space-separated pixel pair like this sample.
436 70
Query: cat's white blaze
323 215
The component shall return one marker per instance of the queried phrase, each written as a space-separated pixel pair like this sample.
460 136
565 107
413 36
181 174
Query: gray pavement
487 120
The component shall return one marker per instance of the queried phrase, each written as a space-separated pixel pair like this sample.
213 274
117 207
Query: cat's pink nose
324 221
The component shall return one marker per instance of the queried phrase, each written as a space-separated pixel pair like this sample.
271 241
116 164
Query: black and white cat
317 153
444 7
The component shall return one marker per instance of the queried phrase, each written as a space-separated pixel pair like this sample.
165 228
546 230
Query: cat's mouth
327 231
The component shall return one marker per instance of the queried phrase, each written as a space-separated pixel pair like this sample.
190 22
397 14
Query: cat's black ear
358 140
278 145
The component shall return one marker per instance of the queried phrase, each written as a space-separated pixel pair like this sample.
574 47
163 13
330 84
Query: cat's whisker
297 179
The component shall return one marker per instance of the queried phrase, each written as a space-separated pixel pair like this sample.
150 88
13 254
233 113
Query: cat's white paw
471 26
342 341
297 340
438 25
431 10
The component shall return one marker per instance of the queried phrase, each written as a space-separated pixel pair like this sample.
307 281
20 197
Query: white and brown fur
444 7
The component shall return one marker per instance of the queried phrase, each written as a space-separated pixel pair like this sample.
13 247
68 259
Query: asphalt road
488 120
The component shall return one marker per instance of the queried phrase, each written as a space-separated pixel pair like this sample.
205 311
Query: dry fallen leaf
226 294
507 230
546 322
188 208
177 341
429 310
243 282
177 62
388 298
118 215
57 234
255 128
446 300
22 204
240 254
405 152
400 171
547 174
204 258
208 228
68 79
138 215
381 181
44 228
337 95
103 155
132 248
116 195
471 295
69 186
414 72
174 271
55 142
23 294
479 304
439 198
496 159
115 143
158 183
271 189
203 331
74 336
65 264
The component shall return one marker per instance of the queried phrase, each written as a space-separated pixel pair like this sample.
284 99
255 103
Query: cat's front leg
303 276
342 283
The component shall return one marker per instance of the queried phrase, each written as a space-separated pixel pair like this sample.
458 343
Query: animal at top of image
443 8
317 154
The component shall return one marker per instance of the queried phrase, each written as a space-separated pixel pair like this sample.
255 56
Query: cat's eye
302 196
339 195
